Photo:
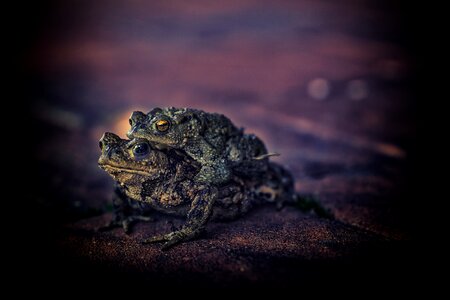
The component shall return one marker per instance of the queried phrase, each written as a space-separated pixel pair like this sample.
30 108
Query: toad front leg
214 167
126 212
197 218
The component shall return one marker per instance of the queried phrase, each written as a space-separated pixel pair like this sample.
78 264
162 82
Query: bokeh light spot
318 88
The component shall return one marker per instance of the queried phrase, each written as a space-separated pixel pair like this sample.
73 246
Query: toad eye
141 150
162 125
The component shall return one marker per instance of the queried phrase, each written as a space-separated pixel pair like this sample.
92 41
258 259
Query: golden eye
162 125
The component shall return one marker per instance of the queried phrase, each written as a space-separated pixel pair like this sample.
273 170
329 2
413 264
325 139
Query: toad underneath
164 179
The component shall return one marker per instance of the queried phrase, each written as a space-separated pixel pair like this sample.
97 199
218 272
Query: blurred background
327 84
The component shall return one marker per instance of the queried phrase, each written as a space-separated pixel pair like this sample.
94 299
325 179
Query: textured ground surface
326 85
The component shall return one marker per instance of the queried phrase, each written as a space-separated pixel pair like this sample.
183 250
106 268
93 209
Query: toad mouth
108 167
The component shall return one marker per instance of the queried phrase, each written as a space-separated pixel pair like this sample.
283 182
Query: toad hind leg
197 218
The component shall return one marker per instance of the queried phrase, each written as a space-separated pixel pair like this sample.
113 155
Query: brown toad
165 179
210 139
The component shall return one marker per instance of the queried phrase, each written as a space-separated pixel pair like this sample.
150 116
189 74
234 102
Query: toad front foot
197 217
173 238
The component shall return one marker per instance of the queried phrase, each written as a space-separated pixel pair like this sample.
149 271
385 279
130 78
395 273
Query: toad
210 139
